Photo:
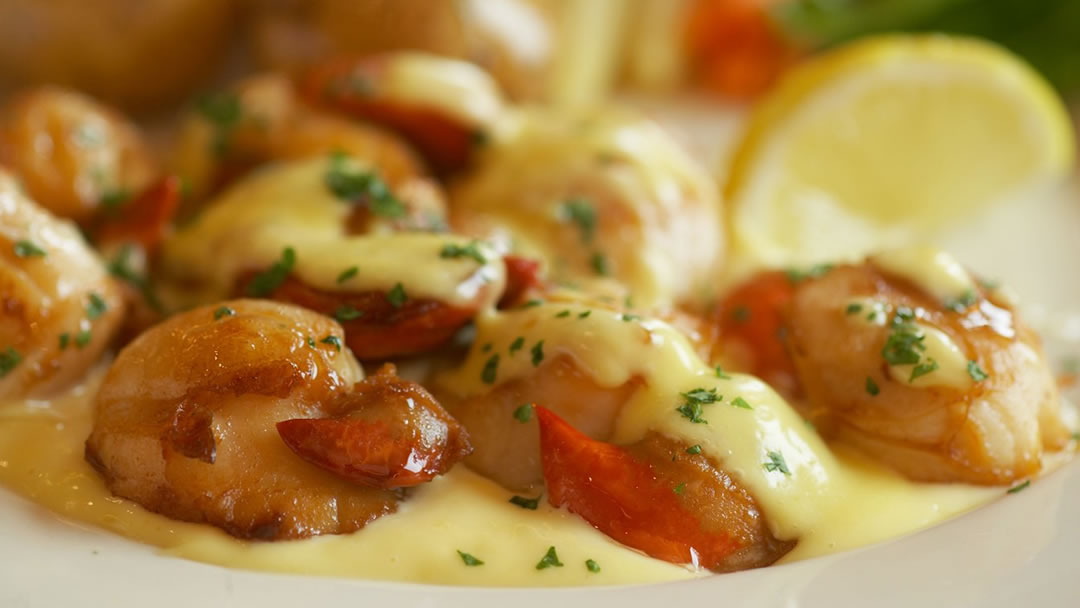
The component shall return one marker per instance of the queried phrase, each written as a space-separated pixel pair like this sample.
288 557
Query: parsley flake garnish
397 296
626 318
469 559
65 338
720 373
491 368
694 449
853 309
905 342
537 353
115 198
347 313
365 187
525 503
311 342
582 315
120 267
923 368
872 387
264 283
83 337
1019 488
9 358
550 559
347 274
776 463
962 303
977 374
692 408
223 311
599 264
223 110
95 307
679 488
592 566
532 303
795 275
739 402
517 344
523 413
581 212
332 340
471 250
27 249
562 314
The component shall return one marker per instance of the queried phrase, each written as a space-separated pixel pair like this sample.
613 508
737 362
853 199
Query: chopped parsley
694 400
523 413
720 373
592 566
491 368
537 353
223 110
582 315
550 559
923 368
599 264
347 274
679 488
65 338
962 303
562 314
517 344
114 198
872 387
581 212
264 283
741 314
472 250
905 341
531 303
853 309
469 560
525 503
365 187
27 249
776 463
95 307
332 340
795 275
626 318
83 337
311 342
397 296
223 311
977 374
1020 487
8 360
739 402
694 449
120 268
347 313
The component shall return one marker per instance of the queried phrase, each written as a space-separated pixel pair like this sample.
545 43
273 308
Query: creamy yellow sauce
929 268
457 88
289 205
41 457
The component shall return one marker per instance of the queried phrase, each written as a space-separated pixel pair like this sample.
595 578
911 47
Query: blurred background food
149 55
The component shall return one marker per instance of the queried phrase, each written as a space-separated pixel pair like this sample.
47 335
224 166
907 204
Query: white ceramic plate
1021 550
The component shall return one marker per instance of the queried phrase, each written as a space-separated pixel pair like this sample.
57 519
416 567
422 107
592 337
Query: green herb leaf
1019 488
83 337
264 283
537 353
120 267
872 387
795 275
347 313
904 343
362 187
550 559
397 296
582 315
679 488
977 374
694 449
526 503
592 566
95 307
626 318
720 373
471 250
9 359
962 303
347 274
581 212
523 413
923 368
739 402
517 344
531 303
702 395
777 463
65 338
332 340
27 249
311 342
222 108
469 560
491 368
223 311
599 264
853 308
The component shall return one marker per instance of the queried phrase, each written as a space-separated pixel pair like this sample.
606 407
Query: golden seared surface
185 422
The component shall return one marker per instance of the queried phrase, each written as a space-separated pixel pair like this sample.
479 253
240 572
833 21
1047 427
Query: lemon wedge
888 141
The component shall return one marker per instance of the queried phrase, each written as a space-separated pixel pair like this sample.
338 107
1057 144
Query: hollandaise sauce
463 529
